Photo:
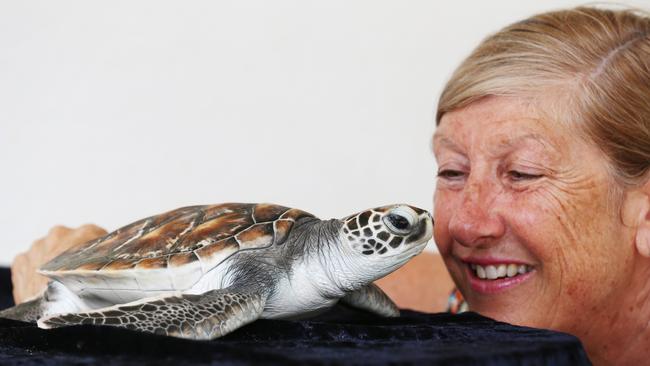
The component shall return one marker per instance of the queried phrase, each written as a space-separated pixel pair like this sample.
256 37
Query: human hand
26 282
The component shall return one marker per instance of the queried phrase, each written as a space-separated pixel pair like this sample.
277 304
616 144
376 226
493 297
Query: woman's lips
492 276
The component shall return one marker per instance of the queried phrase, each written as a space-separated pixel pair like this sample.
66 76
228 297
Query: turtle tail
28 311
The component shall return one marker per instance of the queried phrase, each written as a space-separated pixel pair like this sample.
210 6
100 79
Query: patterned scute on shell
179 237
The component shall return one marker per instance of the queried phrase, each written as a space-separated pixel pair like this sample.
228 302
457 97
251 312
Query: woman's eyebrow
536 137
445 143
439 140
504 143
549 150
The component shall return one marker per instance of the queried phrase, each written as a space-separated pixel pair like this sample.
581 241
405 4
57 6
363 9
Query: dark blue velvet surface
342 336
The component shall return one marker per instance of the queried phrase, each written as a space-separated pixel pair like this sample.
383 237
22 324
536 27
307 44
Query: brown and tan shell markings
204 234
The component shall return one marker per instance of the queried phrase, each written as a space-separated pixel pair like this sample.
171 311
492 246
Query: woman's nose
476 222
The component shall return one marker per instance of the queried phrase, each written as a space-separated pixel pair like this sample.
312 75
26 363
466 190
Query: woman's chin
511 314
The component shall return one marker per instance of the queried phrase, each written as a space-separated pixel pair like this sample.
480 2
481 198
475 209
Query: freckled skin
564 222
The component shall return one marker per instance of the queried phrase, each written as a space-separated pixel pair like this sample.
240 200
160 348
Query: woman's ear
642 240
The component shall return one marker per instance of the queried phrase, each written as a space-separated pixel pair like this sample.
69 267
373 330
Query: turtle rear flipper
371 298
28 311
205 316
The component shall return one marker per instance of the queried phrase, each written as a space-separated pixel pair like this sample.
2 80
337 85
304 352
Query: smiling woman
542 205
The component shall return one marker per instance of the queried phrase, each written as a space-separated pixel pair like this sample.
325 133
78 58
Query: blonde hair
595 61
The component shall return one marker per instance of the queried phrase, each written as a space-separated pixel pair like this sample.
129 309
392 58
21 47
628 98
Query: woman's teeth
499 271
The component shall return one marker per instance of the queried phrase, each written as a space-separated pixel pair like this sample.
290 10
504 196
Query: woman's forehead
497 123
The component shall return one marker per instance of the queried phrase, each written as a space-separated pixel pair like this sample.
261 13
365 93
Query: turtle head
384 238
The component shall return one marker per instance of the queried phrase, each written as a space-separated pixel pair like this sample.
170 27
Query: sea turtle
200 272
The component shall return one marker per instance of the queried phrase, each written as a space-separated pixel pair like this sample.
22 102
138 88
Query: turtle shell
189 241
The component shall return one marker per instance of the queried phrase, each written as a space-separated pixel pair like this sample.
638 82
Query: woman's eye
519 176
450 174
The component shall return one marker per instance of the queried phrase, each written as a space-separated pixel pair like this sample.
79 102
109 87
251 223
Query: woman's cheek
539 217
443 208
529 221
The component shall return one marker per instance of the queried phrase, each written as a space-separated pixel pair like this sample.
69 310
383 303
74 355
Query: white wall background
115 110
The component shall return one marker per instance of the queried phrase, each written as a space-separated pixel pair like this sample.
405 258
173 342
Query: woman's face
525 218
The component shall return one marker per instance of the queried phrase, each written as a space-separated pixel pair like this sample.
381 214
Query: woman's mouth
498 277
492 272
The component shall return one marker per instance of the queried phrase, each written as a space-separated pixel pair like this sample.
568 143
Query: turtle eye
399 221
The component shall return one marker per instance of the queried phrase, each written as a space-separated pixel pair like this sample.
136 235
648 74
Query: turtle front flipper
371 298
206 316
